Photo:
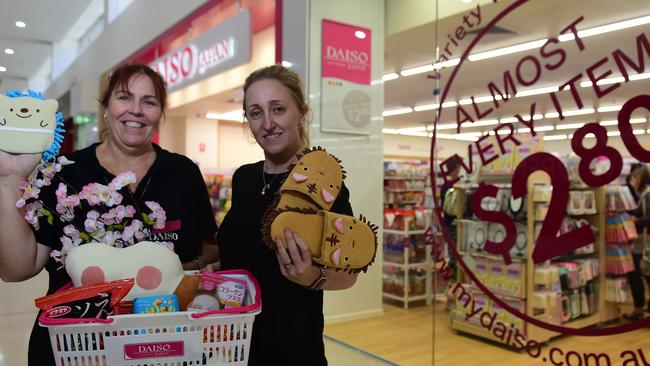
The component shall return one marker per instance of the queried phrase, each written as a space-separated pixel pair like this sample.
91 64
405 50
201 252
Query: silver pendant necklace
266 185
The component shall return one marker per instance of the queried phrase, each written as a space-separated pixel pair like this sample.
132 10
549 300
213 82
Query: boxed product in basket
215 337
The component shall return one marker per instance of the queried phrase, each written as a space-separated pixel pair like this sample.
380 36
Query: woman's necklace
266 185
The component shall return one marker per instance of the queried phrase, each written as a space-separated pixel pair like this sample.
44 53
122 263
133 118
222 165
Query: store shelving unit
407 266
413 260
524 294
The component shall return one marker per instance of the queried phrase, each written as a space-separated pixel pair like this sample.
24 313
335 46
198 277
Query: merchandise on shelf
220 192
400 219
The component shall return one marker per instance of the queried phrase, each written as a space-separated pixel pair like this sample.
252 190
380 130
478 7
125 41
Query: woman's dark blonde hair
291 81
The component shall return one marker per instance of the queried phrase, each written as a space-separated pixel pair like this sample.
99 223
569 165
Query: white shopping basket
219 337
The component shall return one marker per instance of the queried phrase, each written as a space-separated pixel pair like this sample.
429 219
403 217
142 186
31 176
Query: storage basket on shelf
217 337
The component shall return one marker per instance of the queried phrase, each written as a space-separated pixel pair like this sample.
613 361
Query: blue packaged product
155 304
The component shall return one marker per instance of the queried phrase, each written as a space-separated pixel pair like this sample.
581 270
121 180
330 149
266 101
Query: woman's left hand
295 260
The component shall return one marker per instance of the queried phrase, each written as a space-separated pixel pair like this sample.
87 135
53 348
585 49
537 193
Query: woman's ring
288 265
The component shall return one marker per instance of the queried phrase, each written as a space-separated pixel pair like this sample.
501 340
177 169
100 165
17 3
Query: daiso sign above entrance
216 50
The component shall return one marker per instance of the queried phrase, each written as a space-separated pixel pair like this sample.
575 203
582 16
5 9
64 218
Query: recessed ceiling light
20 24
9 51
3 69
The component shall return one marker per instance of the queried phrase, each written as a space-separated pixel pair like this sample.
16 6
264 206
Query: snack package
155 304
94 301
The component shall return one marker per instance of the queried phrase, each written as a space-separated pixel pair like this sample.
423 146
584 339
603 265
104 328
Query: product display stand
568 290
407 265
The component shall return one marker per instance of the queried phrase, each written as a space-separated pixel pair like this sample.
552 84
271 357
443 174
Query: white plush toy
156 269
29 124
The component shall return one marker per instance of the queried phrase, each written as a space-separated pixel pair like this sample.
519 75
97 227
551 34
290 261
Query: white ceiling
534 20
47 22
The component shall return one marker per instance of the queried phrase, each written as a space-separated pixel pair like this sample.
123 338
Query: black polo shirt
173 181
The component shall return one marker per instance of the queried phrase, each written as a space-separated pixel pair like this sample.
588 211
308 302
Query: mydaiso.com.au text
511 336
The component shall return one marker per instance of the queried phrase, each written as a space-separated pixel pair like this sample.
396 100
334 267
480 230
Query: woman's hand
16 168
295 260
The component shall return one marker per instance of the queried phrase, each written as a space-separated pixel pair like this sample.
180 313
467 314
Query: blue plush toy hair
53 150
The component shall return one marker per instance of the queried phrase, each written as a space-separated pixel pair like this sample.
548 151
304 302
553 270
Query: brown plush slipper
335 240
314 182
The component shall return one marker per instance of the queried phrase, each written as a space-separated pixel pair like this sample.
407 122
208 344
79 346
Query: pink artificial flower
29 191
122 180
33 212
113 238
65 204
133 232
92 225
157 214
96 194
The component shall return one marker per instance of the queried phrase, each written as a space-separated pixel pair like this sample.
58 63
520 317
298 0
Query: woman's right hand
16 168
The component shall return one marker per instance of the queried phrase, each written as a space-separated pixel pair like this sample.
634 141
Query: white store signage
221 48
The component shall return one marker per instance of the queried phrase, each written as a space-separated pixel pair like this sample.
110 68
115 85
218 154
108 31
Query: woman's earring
105 117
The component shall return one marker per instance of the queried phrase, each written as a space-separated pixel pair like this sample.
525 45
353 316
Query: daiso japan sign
185 63
346 52
216 50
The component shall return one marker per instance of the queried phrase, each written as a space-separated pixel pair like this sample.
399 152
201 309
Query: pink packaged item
226 292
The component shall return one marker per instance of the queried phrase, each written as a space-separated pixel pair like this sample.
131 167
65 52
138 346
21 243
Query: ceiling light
444 136
446 126
488 122
391 76
3 69
420 128
569 126
577 112
508 50
545 90
467 1
413 133
637 120
614 80
640 76
360 34
9 51
417 70
286 64
508 120
390 131
236 115
449 104
394 112
555 137
20 24
609 108
638 132
448 63
537 129
614 133
608 123
606 28
426 107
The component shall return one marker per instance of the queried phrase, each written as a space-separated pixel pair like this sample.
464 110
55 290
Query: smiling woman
162 184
